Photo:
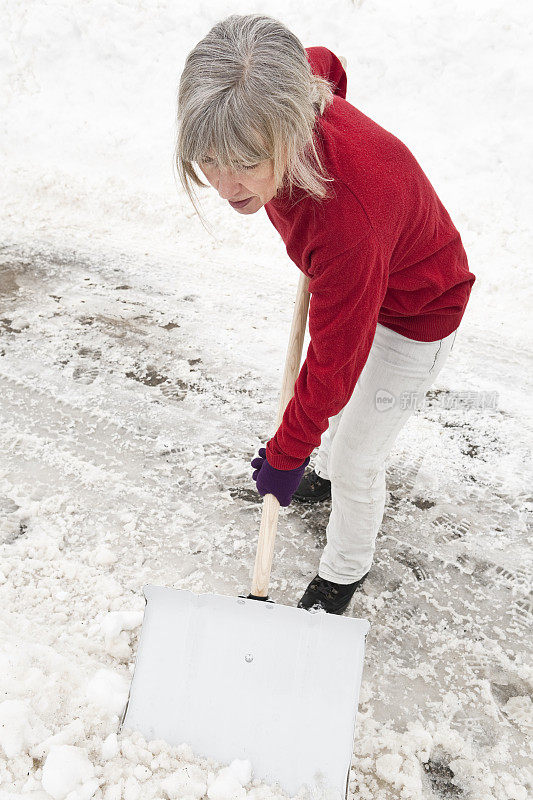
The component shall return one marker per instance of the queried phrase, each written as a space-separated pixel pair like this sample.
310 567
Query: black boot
312 488
331 597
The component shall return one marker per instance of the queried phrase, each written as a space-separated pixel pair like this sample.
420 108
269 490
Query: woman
267 123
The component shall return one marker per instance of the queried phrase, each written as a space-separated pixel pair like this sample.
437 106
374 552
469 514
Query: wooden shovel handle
269 515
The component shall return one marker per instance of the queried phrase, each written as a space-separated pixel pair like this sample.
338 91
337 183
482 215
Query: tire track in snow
78 434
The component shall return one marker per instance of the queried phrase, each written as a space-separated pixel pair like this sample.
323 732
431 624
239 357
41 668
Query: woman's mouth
240 204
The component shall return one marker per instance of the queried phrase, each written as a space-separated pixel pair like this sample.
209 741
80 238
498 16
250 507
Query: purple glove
280 482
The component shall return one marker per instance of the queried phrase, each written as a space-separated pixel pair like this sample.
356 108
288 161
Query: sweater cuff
280 460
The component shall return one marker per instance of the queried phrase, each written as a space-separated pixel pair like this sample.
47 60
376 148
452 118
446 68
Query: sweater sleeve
346 295
325 63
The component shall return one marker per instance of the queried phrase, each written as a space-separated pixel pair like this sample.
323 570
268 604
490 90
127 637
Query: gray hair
248 93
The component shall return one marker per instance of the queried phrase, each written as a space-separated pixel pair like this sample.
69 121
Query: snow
185 781
19 729
389 766
140 364
108 690
110 747
66 769
228 784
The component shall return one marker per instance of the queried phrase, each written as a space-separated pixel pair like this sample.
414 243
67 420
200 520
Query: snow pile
67 770
448 761
20 728
184 782
117 767
67 687
108 690
229 783
115 627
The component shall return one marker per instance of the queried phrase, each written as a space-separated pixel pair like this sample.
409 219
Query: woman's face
255 185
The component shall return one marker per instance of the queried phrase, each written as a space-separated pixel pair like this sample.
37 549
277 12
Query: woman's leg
394 380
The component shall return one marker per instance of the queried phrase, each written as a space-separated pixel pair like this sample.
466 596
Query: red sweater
382 249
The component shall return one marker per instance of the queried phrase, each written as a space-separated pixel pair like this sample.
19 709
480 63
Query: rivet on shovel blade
248 658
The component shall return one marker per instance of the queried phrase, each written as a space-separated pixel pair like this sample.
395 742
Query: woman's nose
227 186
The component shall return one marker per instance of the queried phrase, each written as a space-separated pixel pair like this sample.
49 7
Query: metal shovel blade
240 678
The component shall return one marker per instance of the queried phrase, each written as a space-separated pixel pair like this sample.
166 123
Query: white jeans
353 450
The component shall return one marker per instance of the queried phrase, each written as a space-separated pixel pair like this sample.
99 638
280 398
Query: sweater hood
325 63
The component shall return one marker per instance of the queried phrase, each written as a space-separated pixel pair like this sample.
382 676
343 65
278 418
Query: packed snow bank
88 102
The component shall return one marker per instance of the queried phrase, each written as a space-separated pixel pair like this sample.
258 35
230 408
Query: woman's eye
208 162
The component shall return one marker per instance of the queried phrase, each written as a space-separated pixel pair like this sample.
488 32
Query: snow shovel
245 678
